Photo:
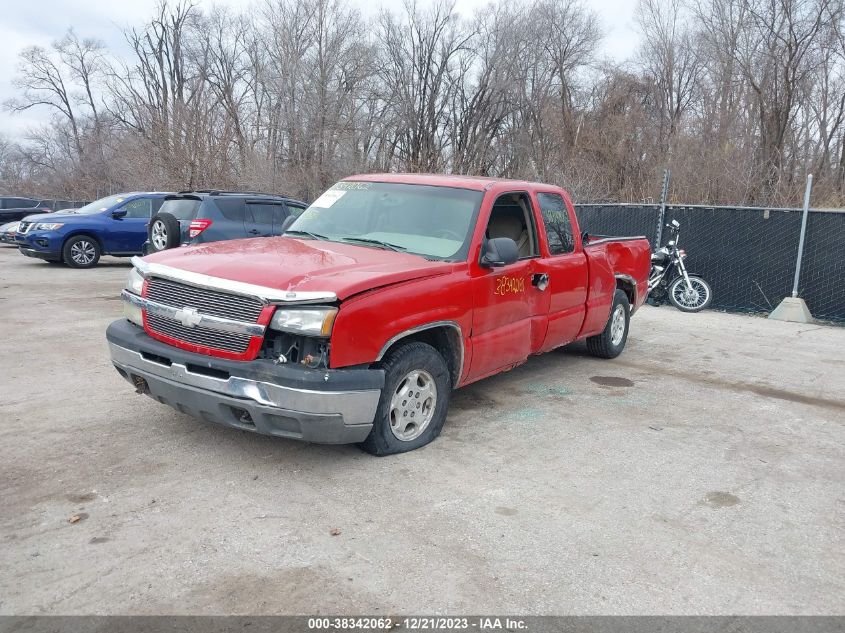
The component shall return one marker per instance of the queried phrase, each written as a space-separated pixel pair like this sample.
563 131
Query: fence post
661 220
803 234
794 308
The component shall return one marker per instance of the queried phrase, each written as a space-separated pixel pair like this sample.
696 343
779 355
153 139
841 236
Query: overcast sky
42 21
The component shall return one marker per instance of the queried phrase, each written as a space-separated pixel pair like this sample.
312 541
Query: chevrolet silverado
387 293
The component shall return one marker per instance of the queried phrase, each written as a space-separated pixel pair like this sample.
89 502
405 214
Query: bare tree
775 55
743 97
669 56
418 52
43 81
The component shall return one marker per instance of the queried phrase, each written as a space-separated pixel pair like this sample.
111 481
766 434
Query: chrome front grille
23 227
228 341
206 302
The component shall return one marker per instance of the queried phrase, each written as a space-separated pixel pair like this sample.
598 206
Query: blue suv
115 225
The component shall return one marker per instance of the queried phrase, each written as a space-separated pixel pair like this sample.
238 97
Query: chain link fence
746 253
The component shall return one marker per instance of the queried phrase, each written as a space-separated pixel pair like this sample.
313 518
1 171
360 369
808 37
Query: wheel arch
628 285
444 336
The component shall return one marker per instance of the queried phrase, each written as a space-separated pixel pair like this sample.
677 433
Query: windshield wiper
382 243
314 236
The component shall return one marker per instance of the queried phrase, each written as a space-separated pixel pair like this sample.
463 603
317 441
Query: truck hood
300 265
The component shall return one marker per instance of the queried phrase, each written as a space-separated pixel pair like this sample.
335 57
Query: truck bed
614 260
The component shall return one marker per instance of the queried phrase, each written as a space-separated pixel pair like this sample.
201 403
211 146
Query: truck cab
387 293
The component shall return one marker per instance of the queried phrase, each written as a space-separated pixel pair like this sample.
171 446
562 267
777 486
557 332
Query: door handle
540 281
253 231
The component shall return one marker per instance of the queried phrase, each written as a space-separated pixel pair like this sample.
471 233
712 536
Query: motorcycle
669 277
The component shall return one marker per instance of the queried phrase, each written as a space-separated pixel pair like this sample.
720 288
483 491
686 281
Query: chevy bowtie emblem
189 317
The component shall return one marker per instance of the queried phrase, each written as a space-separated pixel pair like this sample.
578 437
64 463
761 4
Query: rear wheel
694 298
164 232
413 403
81 251
611 342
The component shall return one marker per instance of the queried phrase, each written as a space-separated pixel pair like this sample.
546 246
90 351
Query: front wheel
81 251
413 403
690 299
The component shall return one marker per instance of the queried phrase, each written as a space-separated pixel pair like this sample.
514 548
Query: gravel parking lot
701 472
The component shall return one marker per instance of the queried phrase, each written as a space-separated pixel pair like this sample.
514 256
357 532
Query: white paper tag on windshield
328 198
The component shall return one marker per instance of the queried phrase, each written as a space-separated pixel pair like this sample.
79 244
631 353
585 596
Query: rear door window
259 213
558 225
259 217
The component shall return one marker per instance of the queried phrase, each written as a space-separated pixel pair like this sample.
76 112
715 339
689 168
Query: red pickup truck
386 294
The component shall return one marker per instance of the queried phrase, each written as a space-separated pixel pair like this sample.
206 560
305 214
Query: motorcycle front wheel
692 299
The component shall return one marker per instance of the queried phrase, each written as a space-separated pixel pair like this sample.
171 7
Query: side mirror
499 251
286 224
118 213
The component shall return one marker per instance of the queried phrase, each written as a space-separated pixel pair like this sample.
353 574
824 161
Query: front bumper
43 244
334 406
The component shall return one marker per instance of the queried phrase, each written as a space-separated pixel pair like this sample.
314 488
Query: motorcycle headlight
135 282
306 321
48 226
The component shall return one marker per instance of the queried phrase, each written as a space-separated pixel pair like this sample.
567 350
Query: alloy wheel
617 325
159 235
412 406
83 252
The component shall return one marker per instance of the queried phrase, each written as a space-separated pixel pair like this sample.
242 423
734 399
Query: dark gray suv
198 217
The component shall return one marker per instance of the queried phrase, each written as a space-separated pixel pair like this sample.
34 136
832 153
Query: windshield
103 204
421 219
181 208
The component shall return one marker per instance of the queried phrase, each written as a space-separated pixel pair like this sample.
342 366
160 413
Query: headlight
48 226
135 285
135 282
307 321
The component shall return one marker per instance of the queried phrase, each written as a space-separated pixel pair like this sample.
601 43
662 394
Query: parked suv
198 217
14 208
115 225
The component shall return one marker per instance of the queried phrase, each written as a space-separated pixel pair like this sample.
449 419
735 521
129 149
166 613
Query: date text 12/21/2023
417 623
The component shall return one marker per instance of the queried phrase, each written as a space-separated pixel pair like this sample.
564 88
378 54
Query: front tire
611 342
687 300
413 403
81 251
